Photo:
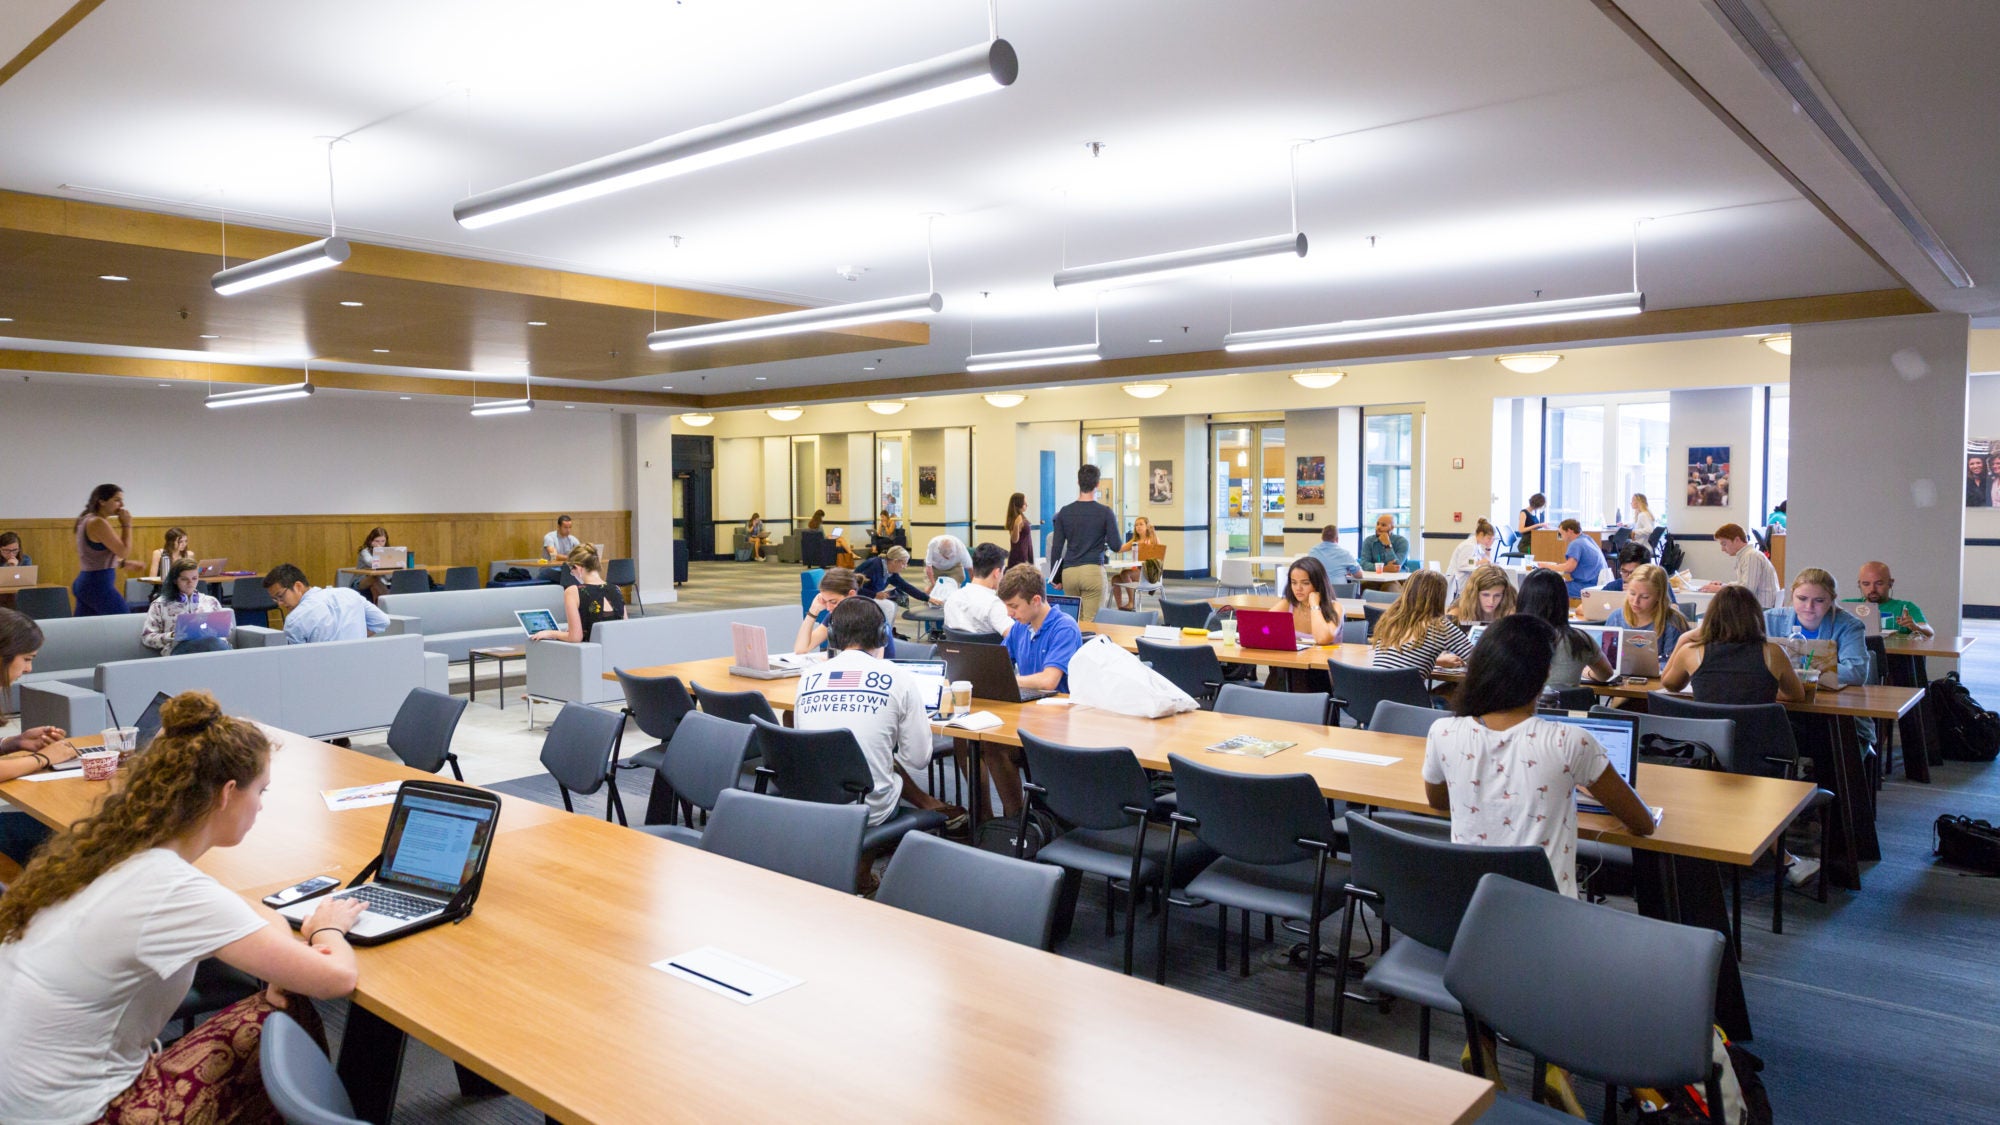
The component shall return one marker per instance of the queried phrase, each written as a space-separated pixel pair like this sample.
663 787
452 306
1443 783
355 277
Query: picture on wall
1312 480
1980 454
1160 482
1708 476
833 486
926 484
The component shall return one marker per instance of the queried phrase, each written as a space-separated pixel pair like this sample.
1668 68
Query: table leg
1853 833
500 683
371 1064
1689 891
975 802
1918 732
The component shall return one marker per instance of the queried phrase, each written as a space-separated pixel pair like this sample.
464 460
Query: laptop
11 576
536 621
1271 629
433 858
149 719
1640 651
833 533
750 648
988 667
212 568
1619 735
1070 605
1869 613
1598 604
392 558
204 626
1606 640
933 684
1473 634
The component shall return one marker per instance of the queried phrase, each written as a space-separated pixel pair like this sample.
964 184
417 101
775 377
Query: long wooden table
547 991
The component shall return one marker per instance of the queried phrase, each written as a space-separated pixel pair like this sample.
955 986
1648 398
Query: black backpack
1671 556
1970 733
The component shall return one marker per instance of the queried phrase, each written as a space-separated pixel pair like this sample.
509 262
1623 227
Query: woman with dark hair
1020 541
179 594
11 553
99 939
369 557
1507 776
102 551
1727 658
1543 596
173 546
32 750
1308 597
1534 515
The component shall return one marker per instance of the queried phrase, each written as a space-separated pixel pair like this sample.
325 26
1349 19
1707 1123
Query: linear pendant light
893 93
255 396
1423 324
298 261
787 323
1033 357
502 406
1128 271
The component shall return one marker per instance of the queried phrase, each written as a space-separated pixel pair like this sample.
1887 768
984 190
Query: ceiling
1467 154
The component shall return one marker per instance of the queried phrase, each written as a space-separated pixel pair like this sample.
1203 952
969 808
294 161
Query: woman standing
586 601
34 749
1475 552
100 937
1544 596
1309 599
1020 540
1385 550
102 550
1415 633
1650 605
179 594
1533 516
1487 597
173 547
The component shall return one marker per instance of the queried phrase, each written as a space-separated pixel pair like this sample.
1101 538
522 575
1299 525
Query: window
1385 469
1115 452
1575 481
1778 452
1642 456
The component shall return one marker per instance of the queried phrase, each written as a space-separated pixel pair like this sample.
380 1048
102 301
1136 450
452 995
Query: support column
650 484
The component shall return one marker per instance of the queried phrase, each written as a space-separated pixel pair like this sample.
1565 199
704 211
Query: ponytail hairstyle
1483 527
98 495
584 556
172 786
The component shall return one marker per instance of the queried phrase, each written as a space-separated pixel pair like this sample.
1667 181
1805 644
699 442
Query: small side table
501 655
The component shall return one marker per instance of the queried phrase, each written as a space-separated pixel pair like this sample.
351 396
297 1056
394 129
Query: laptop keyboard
395 904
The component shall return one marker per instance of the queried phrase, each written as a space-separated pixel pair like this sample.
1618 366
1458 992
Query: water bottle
1796 644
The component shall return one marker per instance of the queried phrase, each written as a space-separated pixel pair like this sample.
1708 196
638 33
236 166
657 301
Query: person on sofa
180 594
321 613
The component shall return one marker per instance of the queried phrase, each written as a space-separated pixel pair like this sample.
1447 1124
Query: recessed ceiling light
350 304
760 378
381 351
538 324
166 384
569 406
1156 340
405 398
111 277
210 336
868 369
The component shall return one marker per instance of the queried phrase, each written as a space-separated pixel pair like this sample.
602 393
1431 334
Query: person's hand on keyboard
334 912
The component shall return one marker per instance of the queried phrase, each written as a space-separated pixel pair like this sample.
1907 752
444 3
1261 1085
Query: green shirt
1893 610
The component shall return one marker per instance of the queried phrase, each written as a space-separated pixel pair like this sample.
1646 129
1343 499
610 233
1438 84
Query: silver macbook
392 558
1598 604
1869 613
1639 654
1620 738
18 575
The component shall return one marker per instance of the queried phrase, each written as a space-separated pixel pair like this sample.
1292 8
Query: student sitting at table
1308 597
173 547
1543 597
99 939
11 554
976 606
1488 596
1415 633
1898 616
1582 562
30 751
374 546
1649 604
879 704
1041 642
586 601
1507 776
1753 570
1727 659
1125 584
179 594
1631 557
837 585
1814 615
314 614
1385 550
556 546
1532 518
1339 562
1476 551
881 576
884 532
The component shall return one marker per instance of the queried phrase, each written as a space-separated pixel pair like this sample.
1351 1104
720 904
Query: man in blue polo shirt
1583 561
1040 644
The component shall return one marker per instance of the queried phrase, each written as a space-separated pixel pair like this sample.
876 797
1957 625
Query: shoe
1801 871
956 819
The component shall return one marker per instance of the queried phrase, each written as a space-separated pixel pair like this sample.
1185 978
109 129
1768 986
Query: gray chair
1184 615
413 580
1420 887
1371 616
461 578
1381 597
1580 698
736 706
137 595
827 767
1140 617
1274 838
578 752
657 704
624 574
1354 632
967 637
302 1084
1008 898
421 733
1348 590
1192 668
1290 706
705 758
1391 717
1613 996
815 842
43 603
1104 795
251 602
1358 690
914 650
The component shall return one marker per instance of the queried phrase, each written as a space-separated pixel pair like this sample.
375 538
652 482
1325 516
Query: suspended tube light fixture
1055 356
1424 324
325 254
257 396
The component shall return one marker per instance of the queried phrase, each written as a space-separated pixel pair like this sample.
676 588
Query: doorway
1249 465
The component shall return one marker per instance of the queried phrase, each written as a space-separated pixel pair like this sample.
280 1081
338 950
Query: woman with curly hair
99 939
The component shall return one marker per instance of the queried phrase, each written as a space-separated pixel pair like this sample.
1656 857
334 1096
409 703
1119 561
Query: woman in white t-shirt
1508 778
99 939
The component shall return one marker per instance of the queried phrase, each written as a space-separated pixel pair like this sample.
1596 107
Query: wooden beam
47 38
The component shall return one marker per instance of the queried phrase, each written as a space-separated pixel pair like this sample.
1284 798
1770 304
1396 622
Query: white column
650 486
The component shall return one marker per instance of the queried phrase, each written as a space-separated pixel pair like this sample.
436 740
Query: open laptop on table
392 558
1639 654
1068 604
1619 736
933 683
1598 604
750 649
433 859
1606 640
203 626
989 668
12 576
1271 629
211 568
1869 613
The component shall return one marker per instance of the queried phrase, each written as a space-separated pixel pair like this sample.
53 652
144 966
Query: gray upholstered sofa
321 690
454 622
561 672
73 647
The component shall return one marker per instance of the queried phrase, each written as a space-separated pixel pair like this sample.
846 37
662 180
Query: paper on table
726 974
361 796
1053 701
49 775
974 720
1352 756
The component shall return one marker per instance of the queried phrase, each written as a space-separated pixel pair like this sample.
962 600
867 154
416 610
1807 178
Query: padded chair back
1141 617
1575 698
301 1083
1391 717
1354 632
914 650
1762 743
1618 997
823 766
1426 883
1090 787
1250 817
251 602
809 587
1192 668
415 580
137 594
1381 597
421 733
736 706
968 638
621 573
1348 590
1008 898
1371 615
461 578
1363 688
705 757
1289 706
1233 574
657 703
577 751
818 843
43 603
1184 615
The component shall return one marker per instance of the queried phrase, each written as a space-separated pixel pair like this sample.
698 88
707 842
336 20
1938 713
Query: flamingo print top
1515 787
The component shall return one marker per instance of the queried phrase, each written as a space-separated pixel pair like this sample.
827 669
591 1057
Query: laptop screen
149 720
1070 605
1619 737
536 620
1606 640
193 626
436 844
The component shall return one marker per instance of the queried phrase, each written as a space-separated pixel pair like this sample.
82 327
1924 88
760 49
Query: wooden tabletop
1861 701
385 571
1729 818
1128 636
1941 646
502 652
547 989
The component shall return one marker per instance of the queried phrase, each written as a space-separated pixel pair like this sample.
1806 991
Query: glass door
1386 458
1249 466
1115 452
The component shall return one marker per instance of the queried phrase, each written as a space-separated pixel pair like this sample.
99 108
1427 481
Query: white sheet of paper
726 974
51 775
1053 701
1352 756
974 720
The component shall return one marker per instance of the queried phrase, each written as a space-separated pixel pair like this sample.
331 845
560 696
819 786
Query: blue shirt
1589 564
1372 550
1849 637
1049 647
333 613
1338 560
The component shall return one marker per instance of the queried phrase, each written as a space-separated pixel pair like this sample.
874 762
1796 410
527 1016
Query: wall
1314 433
1182 523
1722 416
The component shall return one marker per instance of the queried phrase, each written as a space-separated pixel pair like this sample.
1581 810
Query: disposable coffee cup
961 696
99 765
124 740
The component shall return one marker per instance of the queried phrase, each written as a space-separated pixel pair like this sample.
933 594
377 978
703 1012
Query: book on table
1250 746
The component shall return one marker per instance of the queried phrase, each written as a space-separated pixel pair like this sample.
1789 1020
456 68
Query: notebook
433 857
1619 736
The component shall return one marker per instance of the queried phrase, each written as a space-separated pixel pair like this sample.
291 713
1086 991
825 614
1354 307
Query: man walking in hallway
1083 534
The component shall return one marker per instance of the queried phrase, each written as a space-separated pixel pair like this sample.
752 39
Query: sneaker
956 819
1801 871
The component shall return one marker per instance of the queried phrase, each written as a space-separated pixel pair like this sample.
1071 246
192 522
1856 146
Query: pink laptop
1267 629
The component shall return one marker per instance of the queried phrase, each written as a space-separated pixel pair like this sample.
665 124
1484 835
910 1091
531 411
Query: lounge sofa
73 647
322 690
454 622
561 672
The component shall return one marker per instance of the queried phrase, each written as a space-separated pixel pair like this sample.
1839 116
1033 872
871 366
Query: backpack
1964 842
1671 555
1968 732
513 574
1745 1101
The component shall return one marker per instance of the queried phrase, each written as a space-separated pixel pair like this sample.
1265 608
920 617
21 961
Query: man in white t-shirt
975 607
856 690
1753 568
557 544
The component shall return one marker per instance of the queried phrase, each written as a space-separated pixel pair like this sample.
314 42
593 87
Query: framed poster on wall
1160 482
833 486
1708 476
1312 480
926 484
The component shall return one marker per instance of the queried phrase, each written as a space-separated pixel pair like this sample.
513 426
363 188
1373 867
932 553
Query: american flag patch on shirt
843 678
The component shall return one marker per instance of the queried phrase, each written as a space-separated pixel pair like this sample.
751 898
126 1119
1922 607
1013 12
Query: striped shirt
1442 637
